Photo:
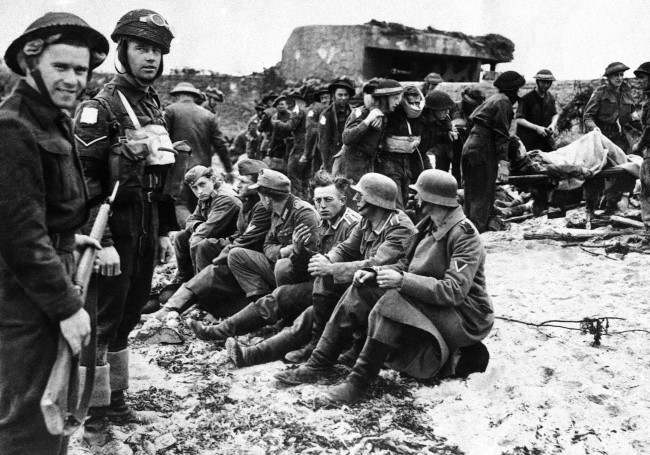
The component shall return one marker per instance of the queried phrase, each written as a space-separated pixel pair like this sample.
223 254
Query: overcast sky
576 39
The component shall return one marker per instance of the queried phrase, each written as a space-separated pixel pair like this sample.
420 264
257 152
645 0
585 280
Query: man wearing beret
215 283
187 121
332 121
253 270
122 138
43 202
208 228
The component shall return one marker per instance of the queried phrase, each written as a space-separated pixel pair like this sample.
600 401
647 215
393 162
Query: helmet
437 187
472 96
146 25
344 83
378 189
387 87
616 67
52 24
186 87
438 101
214 92
644 68
544 75
509 80
433 78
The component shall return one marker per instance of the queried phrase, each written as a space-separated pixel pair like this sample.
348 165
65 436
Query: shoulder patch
323 120
88 115
351 216
468 227
357 112
310 114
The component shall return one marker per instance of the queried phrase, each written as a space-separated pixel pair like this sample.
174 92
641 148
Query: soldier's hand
319 265
83 241
388 278
166 249
300 236
503 172
108 262
362 276
541 131
76 330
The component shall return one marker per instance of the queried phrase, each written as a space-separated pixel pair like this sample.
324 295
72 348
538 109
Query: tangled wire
596 326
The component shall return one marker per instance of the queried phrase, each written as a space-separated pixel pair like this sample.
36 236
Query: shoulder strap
129 110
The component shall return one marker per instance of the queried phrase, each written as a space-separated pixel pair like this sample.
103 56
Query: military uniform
644 141
286 301
331 124
142 210
281 130
311 155
254 270
186 121
206 231
296 173
539 111
43 201
611 110
486 145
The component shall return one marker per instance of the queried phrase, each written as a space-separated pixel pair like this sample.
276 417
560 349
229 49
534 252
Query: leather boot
321 362
365 369
349 357
268 350
322 310
300 355
182 299
240 323
473 359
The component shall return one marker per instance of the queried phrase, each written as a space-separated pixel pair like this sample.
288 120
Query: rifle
61 407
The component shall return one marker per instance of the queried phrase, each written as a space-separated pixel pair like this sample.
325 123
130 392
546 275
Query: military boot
242 322
182 299
268 350
349 357
322 310
473 359
365 369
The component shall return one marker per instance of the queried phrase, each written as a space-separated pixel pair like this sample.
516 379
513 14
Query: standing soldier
111 132
611 105
213 96
332 121
537 115
187 121
43 201
643 146
470 99
280 132
310 159
431 81
439 132
485 154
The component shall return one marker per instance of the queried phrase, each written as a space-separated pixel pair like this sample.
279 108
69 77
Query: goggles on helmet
155 19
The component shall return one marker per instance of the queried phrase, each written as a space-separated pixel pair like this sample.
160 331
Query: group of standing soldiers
352 278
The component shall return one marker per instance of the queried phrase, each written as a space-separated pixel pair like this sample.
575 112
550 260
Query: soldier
332 121
298 124
378 239
537 115
611 105
289 300
310 158
119 134
439 133
399 157
431 309
214 97
431 81
214 220
215 282
264 127
643 147
253 270
43 201
470 99
279 133
365 128
186 121
246 143
485 154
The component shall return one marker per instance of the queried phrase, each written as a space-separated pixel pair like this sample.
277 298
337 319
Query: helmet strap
35 73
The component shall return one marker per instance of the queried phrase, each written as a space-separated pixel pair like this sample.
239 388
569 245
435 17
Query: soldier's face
328 201
341 97
64 70
282 106
363 207
144 59
645 79
242 185
544 86
616 79
203 187
394 101
325 98
441 114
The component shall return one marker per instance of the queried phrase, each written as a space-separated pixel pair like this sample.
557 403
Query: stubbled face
328 201
64 70
543 86
203 187
616 79
341 97
144 60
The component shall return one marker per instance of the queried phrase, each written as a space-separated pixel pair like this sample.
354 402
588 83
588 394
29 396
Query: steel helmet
437 187
378 190
544 75
615 67
52 24
644 68
509 80
146 25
